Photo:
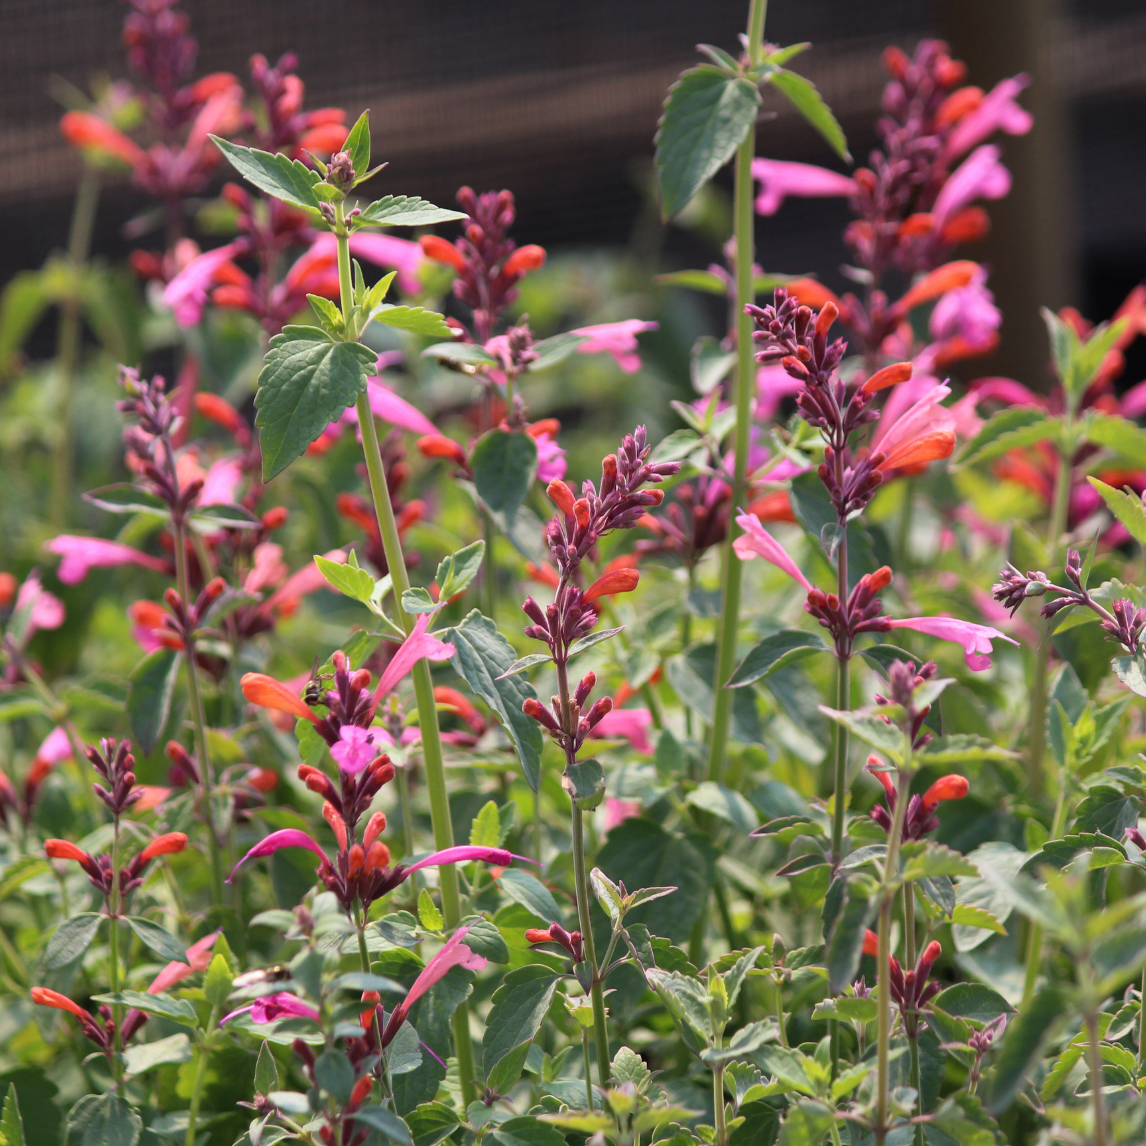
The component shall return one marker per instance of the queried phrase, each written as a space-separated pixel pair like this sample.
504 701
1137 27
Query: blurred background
560 103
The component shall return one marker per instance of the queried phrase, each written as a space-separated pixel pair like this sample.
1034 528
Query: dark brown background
559 102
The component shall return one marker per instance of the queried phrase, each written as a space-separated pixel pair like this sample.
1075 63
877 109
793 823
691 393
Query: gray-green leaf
284 178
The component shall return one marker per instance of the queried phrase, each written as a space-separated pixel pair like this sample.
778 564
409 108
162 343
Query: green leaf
1131 670
462 353
522 664
386 1122
217 982
524 1130
285 179
1023 1044
348 579
704 281
328 314
802 94
1105 809
845 942
962 748
686 997
584 783
428 914
162 942
871 729
70 940
481 656
1016 426
968 915
775 652
212 518
152 685
333 1072
1126 508
431 1122
178 1010
973 1001
1119 434
504 463
102 1120
358 144
788 1067
415 319
707 116
11 1124
456 571
145 1056
486 828
266 1070
531 893
849 1009
307 380
726 803
936 859
417 600
551 351
583 643
519 1008
404 211
124 497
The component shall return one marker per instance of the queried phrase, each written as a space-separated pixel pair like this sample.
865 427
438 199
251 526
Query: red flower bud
915 225
264 780
828 314
355 860
524 259
218 410
63 850
581 512
375 826
275 518
870 942
7 590
561 496
440 251
615 581
337 823
952 787
377 856
439 446
361 1089
537 935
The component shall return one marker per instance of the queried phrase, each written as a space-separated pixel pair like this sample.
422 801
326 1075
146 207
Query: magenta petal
758 542
417 645
464 853
975 639
283 838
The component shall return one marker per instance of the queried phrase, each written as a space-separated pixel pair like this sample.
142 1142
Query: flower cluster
920 819
911 990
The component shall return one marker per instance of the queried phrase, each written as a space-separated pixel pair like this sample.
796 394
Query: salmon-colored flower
267 692
614 581
90 133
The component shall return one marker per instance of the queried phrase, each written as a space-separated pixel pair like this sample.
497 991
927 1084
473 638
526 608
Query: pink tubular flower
980 176
42 610
773 385
996 111
758 542
199 954
1007 391
779 178
551 461
618 339
631 723
454 954
618 811
56 747
277 1006
186 293
975 639
417 645
221 482
283 838
83 553
385 404
967 312
1133 403
355 748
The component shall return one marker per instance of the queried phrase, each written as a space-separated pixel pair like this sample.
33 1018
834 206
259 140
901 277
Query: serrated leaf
415 319
328 314
1124 437
685 996
481 657
724 802
431 1122
1131 670
179 1010
404 211
428 914
457 570
531 893
285 179
463 353
102 1120
707 116
584 783
1007 430
70 940
1126 508
519 1008
161 941
307 380
968 915
151 688
347 578
485 831
803 95
936 859
551 351
11 1124
145 1056
357 143
504 463
417 600
773 653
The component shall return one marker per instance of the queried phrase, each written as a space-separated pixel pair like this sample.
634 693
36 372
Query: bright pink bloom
198 953
454 954
618 811
386 405
780 178
271 1007
42 609
773 385
618 339
56 747
221 482
402 255
551 461
631 723
467 853
417 645
186 293
975 639
83 553
355 749
979 176
267 568
925 414
1007 391
283 838
967 312
997 111
758 542
1133 403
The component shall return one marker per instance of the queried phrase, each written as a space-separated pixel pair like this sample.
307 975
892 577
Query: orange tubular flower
267 692
544 573
870 943
324 138
561 496
524 259
918 224
947 277
615 581
952 787
439 446
218 410
549 426
44 997
966 226
774 506
7 590
537 935
85 130
63 850
957 105
889 376
440 251
165 845
812 293
928 447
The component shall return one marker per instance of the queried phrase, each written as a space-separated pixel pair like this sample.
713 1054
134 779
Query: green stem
600 1031
407 829
891 869
199 716
686 641
364 961
778 991
1035 932
917 1083
1098 1105
588 1068
1142 1027
113 955
443 829
537 824
718 1105
840 764
745 388
200 1075
489 572
68 343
